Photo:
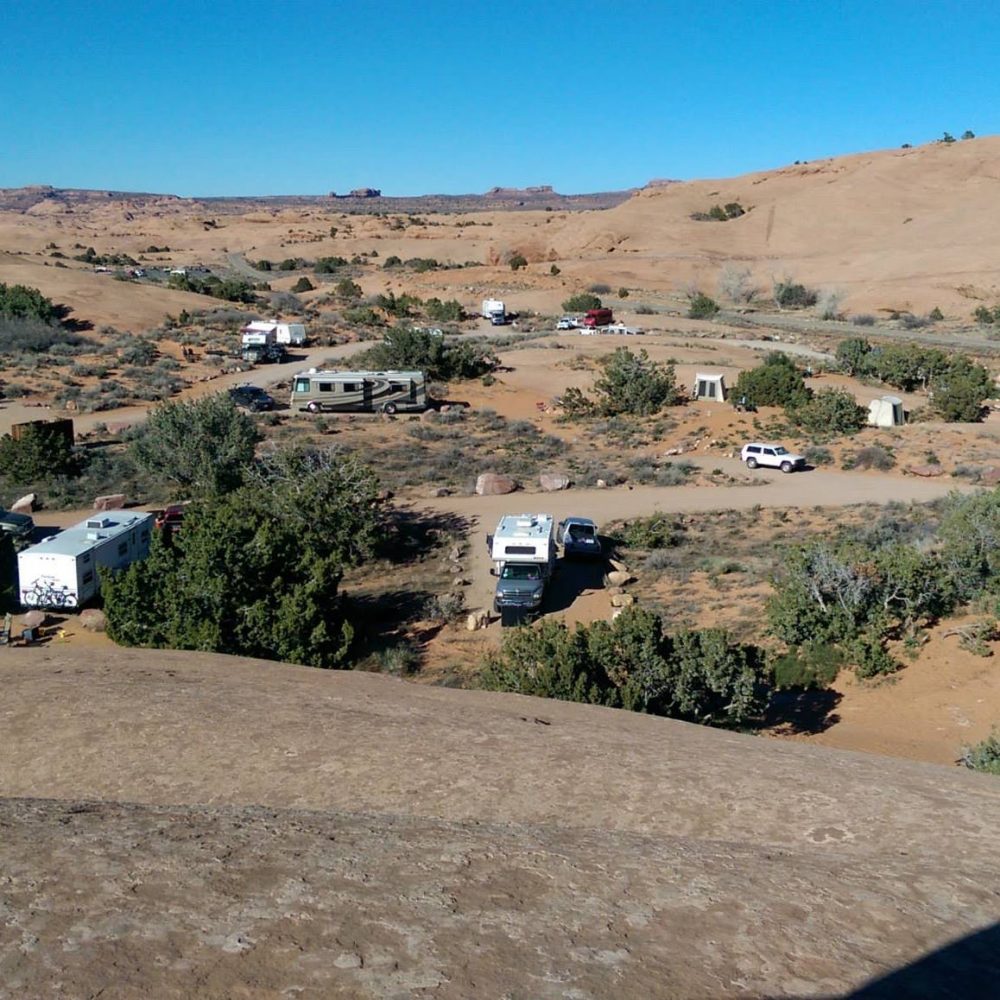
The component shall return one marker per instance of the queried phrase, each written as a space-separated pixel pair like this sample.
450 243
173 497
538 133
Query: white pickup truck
772 456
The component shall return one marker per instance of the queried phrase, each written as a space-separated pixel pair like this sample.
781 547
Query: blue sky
301 97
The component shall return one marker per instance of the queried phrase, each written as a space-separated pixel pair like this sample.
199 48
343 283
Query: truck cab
523 552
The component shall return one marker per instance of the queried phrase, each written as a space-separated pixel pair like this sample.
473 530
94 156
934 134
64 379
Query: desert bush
446 607
910 322
22 302
873 456
984 756
818 455
329 265
347 289
40 454
702 306
863 319
658 531
262 265
632 663
201 447
581 303
674 473
644 310
828 303
444 312
790 295
599 288
363 316
959 392
807 666
634 384
737 284
935 315
401 659
829 411
518 261
623 292
139 352
392 261
303 285
777 382
35 336
405 348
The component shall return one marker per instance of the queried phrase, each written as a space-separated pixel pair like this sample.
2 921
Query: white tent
886 412
709 386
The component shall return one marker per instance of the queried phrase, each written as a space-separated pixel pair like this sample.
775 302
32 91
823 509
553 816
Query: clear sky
214 97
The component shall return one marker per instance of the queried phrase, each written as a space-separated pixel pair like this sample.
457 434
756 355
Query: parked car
251 397
578 537
773 456
567 323
16 525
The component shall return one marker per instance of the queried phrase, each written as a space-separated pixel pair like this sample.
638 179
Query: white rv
494 311
280 333
62 571
523 553
364 391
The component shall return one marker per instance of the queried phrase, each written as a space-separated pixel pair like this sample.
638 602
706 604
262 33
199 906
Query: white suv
773 456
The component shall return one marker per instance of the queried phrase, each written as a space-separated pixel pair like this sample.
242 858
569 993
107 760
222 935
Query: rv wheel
313 407
389 408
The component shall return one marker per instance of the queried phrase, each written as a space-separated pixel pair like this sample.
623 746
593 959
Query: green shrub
702 307
581 303
303 285
984 756
347 289
871 457
777 382
444 312
599 288
818 455
41 453
22 302
392 261
807 666
518 261
631 663
790 295
658 531
553 270
408 349
634 384
829 411
329 265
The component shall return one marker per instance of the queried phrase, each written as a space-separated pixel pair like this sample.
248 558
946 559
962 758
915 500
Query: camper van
62 571
365 392
524 555
283 333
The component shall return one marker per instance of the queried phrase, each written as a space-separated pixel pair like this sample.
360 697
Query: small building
708 386
886 412
62 571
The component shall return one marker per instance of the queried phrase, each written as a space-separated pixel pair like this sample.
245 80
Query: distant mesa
506 192
659 182
359 193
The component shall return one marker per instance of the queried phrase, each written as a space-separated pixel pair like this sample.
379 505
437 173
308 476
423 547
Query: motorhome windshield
520 573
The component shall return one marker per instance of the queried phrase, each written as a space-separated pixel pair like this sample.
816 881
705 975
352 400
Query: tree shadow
412 534
800 711
965 969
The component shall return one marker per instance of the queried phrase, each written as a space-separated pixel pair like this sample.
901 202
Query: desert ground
211 826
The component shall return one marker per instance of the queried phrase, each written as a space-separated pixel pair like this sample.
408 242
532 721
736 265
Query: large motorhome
62 571
366 392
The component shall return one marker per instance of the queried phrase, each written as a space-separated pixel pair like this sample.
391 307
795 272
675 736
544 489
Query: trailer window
399 386
519 550
352 387
326 387
122 548
88 577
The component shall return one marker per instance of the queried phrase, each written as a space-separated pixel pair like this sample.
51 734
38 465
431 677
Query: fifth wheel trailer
62 571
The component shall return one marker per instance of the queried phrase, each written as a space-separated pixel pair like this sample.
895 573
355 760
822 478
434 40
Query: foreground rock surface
382 839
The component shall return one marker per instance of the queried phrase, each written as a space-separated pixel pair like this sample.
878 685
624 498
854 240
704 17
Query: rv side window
302 385
88 577
122 548
326 387
399 386
519 550
352 387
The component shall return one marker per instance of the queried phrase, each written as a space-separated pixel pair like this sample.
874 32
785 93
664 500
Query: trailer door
367 393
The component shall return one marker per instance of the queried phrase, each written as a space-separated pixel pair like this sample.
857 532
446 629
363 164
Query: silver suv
772 456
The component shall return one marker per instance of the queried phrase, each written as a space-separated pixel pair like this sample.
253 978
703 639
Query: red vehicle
598 317
171 518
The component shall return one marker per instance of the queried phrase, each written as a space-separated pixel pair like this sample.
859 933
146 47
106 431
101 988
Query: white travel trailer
275 332
62 571
364 391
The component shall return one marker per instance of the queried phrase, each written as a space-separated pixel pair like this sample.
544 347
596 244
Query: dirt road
817 488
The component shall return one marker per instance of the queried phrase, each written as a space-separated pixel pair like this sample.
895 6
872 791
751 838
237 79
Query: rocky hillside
181 824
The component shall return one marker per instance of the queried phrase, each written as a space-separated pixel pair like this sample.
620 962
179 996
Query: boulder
616 578
601 484
25 505
459 581
33 619
618 565
493 484
429 417
111 501
455 553
988 477
476 620
622 601
441 491
93 619
670 452
552 481
615 612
